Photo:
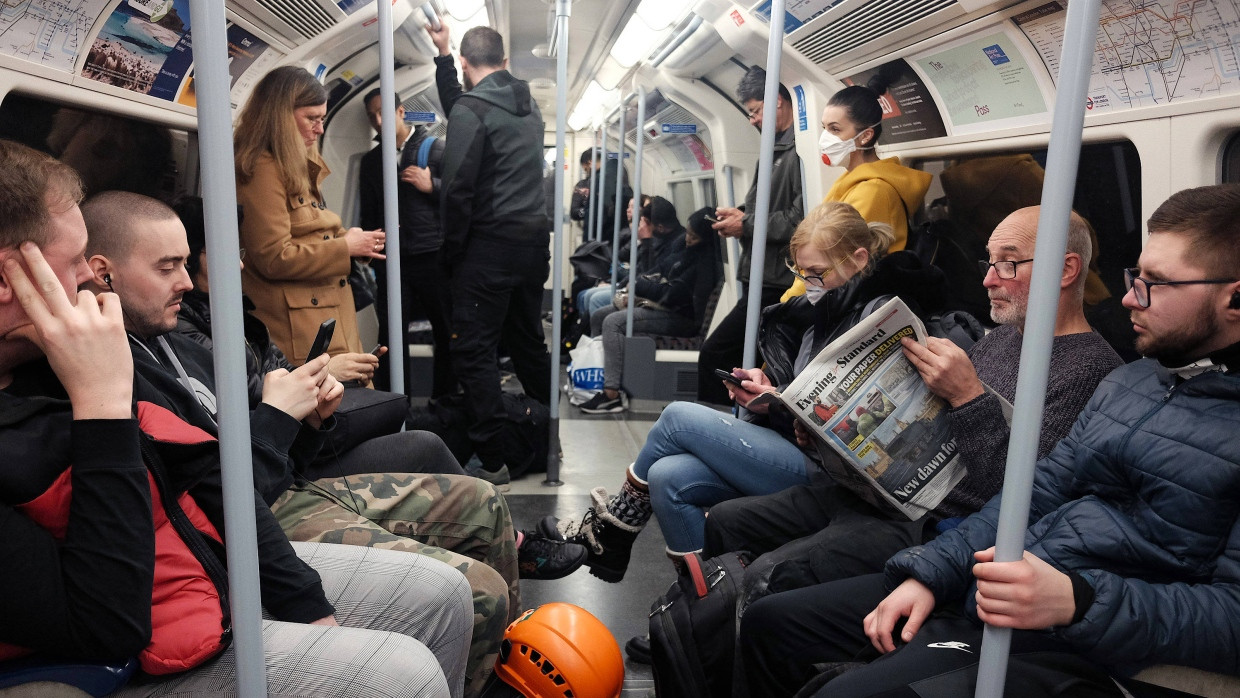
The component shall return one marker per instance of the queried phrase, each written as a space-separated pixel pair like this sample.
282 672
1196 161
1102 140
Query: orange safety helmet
559 650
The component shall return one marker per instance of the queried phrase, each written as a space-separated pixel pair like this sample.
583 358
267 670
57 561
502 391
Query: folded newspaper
862 398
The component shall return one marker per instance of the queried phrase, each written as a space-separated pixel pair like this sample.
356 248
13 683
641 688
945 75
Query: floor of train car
597 449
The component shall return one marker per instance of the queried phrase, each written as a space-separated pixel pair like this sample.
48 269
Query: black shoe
540 557
638 649
609 542
601 404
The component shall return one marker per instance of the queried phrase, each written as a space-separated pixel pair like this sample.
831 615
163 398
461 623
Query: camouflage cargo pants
456 519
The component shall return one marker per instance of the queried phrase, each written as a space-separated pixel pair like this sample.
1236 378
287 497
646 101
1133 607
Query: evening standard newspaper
863 400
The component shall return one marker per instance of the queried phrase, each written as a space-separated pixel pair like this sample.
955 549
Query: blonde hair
267 126
836 224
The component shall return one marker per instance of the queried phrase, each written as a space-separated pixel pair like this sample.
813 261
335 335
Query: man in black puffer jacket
1132 549
495 239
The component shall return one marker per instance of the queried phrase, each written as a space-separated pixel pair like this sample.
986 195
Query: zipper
1123 446
190 536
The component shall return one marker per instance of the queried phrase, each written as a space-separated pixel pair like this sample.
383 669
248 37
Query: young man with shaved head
111 517
1132 547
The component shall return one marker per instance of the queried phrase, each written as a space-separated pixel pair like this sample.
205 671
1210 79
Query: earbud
1235 301
107 279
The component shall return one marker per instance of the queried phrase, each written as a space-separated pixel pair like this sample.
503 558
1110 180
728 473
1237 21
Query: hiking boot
608 538
540 557
499 478
601 404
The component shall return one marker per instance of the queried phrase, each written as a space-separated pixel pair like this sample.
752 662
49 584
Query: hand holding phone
712 219
322 339
727 377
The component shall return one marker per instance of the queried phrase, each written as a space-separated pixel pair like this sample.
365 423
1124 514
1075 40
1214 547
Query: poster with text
909 111
983 80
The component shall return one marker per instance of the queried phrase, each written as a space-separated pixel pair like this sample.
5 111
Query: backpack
693 628
939 242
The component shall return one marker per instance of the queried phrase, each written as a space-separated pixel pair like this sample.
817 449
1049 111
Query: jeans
610 325
696 457
593 300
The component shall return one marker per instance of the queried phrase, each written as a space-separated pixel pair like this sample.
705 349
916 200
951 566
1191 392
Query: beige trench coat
296 262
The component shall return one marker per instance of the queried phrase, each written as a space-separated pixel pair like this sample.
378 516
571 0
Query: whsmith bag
585 371
693 628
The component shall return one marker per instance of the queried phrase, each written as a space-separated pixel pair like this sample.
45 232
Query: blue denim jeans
696 457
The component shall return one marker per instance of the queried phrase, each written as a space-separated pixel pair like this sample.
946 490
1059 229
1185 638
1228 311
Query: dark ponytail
861 105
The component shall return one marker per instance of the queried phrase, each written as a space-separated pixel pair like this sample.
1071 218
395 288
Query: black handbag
364 414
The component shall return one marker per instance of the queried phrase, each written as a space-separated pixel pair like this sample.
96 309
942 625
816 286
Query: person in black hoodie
496 237
421 237
673 303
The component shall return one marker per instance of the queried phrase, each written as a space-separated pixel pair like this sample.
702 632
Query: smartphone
710 218
727 377
322 339
376 349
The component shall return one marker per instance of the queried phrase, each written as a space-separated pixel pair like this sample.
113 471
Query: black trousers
497 294
423 285
725 348
784 635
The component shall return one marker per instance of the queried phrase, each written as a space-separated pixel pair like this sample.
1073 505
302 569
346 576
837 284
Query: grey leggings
610 323
406 626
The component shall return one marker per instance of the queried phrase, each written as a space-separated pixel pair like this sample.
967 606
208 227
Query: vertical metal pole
391 205
637 197
762 209
602 187
590 232
562 12
1080 28
615 235
219 189
734 245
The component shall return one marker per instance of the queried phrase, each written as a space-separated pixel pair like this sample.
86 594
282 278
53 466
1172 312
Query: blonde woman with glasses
298 255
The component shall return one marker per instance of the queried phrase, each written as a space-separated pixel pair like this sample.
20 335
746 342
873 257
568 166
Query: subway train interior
972 88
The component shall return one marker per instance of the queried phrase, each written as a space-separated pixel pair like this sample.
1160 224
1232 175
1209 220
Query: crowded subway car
620 348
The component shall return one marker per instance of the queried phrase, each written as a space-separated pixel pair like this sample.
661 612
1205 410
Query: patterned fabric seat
695 342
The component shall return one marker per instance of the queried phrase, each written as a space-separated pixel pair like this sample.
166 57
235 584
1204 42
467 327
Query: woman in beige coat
297 253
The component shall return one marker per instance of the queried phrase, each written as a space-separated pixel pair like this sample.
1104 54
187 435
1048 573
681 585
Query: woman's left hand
366 243
754 384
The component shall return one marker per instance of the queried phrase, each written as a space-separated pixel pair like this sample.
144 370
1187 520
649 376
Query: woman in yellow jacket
882 190
298 256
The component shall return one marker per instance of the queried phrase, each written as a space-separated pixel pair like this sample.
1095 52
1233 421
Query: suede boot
610 526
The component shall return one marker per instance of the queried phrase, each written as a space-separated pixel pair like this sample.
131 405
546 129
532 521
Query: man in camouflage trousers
454 511
460 520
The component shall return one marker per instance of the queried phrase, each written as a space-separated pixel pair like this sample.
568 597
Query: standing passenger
495 240
298 254
725 347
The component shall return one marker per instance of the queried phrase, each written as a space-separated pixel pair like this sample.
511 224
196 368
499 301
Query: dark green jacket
492 168
786 213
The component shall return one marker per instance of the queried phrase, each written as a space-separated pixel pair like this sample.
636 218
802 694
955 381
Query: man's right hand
84 340
296 393
419 177
440 38
912 600
731 222
353 367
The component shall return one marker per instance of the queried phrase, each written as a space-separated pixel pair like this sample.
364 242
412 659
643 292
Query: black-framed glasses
1141 287
754 113
813 279
1004 268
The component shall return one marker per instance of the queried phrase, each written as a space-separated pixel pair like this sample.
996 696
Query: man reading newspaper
933 460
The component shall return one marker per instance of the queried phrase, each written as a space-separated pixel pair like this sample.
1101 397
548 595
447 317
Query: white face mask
814 293
835 150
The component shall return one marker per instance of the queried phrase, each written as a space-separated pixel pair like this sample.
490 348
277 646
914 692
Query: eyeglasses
754 113
814 279
1004 269
316 120
1141 287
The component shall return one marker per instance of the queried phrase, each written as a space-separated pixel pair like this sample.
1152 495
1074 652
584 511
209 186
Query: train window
683 199
108 151
982 189
1231 159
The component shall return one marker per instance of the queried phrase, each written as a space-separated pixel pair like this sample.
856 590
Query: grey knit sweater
1078 363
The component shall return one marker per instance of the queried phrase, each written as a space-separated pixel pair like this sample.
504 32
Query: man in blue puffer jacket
1132 554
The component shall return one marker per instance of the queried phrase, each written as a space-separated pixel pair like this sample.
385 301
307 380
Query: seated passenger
821 532
695 456
98 576
138 246
660 238
681 295
1130 552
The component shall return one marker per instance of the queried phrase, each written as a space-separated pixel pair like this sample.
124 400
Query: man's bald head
112 218
1015 239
